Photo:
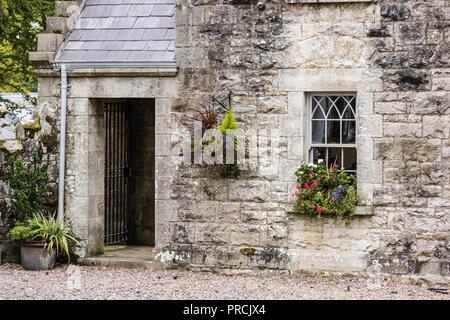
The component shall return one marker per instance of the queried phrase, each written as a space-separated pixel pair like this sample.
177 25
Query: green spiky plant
45 230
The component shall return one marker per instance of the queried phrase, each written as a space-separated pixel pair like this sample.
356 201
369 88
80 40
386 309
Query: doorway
129 172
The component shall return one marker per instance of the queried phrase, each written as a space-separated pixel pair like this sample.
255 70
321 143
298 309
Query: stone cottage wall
413 200
393 56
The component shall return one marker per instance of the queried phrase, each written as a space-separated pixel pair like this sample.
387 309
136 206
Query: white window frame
310 145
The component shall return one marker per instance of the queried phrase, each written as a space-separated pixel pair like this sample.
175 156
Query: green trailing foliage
29 187
323 191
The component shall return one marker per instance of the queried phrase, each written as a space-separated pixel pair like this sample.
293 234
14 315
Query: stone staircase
57 28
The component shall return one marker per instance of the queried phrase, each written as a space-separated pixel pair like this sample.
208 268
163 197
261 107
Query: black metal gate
117 172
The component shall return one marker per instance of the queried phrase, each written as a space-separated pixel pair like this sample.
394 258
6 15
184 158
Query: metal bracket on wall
223 101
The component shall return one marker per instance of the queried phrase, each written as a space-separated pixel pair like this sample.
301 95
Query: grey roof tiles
122 31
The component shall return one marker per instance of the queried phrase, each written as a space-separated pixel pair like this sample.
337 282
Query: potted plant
42 239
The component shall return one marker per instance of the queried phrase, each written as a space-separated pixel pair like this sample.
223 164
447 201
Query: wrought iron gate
117 172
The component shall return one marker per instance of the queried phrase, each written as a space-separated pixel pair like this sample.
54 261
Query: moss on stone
3 112
34 125
9 148
248 251
50 121
3 206
50 141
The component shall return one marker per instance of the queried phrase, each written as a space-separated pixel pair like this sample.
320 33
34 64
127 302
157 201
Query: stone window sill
364 211
359 211
327 1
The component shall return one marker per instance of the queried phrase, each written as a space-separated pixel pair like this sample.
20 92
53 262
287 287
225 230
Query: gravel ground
110 283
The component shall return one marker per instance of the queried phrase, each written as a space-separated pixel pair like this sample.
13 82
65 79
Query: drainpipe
62 145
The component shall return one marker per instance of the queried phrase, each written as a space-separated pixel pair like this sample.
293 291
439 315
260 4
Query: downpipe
62 145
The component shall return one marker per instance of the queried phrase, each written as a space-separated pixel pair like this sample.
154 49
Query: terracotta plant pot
36 257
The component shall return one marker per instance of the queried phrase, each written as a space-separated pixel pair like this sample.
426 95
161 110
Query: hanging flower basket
215 144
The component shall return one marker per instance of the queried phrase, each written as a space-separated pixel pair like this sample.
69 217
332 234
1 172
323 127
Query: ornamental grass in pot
42 238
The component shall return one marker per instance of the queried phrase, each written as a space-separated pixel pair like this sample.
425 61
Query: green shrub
22 233
29 187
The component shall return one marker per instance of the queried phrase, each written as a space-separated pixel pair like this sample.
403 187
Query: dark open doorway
130 172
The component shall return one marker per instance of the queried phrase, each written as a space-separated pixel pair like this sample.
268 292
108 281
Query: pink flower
292 194
296 193
303 201
319 209
312 173
313 184
306 185
298 187
313 207
334 177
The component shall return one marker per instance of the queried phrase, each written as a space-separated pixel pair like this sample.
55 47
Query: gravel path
109 283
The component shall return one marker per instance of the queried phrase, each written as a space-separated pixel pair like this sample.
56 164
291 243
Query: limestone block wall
412 200
270 59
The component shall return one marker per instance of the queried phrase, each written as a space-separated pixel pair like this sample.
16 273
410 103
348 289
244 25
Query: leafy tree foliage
20 23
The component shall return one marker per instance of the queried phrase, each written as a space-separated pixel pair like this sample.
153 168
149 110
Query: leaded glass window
332 130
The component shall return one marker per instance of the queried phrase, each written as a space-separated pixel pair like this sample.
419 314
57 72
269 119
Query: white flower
320 161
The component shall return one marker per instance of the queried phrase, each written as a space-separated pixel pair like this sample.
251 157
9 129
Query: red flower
298 187
306 185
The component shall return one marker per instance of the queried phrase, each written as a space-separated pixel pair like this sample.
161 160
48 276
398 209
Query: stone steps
56 29
125 256
117 262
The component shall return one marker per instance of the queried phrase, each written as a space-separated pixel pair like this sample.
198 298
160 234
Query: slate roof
122 31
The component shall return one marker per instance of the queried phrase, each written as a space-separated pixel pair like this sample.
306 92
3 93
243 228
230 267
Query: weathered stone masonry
393 54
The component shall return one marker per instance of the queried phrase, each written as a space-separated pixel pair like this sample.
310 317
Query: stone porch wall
393 56
85 131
